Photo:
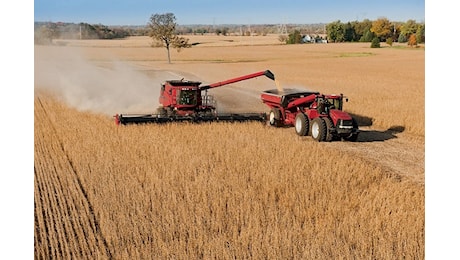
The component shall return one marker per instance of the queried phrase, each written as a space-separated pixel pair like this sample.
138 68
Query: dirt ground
123 76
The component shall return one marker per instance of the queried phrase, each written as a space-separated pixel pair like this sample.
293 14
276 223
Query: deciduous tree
412 40
410 27
163 30
382 28
335 31
294 38
420 33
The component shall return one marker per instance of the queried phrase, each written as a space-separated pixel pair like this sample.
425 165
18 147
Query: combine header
183 100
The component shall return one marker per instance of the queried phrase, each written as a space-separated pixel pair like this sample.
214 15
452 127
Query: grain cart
183 100
311 113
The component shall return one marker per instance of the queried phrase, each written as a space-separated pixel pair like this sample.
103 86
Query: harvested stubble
218 190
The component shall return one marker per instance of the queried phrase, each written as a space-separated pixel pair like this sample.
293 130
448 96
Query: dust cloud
108 87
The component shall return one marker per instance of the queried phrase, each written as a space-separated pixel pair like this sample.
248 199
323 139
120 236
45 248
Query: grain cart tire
302 124
329 125
318 129
353 137
274 117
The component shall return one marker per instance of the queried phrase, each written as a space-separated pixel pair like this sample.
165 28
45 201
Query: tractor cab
325 103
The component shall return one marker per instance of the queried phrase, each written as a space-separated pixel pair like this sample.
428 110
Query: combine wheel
329 125
302 124
318 129
274 117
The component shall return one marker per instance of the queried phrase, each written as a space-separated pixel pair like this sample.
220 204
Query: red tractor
183 100
311 113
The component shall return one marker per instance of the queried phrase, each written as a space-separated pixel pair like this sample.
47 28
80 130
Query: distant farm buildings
310 39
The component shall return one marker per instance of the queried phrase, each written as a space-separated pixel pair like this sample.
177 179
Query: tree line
382 29
337 31
163 29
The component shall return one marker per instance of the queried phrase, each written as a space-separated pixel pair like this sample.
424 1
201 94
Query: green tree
409 28
349 32
375 43
335 31
362 28
382 28
368 36
294 38
163 30
402 38
420 33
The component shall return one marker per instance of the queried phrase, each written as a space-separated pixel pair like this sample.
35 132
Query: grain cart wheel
274 117
329 126
318 129
302 124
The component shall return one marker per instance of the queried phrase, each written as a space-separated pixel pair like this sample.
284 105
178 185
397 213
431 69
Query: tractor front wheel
302 124
318 129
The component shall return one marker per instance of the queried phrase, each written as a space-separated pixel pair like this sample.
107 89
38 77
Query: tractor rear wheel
274 117
329 125
318 129
302 124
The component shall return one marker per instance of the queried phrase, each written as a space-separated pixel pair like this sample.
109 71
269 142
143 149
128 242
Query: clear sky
138 12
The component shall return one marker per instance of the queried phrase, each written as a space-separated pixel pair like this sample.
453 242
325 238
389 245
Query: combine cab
183 100
311 113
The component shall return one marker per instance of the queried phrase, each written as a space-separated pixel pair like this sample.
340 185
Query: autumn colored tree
382 28
163 29
412 40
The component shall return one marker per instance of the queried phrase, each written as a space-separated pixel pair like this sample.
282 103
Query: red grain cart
311 113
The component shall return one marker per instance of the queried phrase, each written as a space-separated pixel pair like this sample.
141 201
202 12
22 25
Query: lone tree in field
163 30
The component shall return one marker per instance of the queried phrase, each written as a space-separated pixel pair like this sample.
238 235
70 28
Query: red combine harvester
183 100
311 113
